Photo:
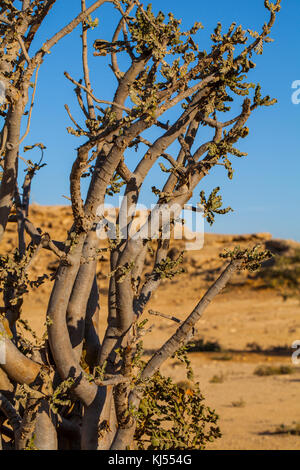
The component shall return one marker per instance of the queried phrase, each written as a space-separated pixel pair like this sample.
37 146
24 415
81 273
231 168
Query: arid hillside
249 326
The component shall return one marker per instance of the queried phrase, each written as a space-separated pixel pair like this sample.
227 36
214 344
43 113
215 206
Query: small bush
217 379
174 417
239 403
284 275
199 345
254 347
289 430
274 370
293 430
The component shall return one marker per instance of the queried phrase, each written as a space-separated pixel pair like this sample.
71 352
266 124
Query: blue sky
264 192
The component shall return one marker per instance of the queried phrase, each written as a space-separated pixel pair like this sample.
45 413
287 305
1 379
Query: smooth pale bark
17 366
5 384
65 359
37 426
77 306
111 333
45 429
25 371
61 347
10 171
153 282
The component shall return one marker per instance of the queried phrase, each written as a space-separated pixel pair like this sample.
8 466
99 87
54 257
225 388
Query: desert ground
249 324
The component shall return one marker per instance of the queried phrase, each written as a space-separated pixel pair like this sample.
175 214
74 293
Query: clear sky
264 192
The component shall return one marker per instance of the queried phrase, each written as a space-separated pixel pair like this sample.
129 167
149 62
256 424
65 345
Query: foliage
249 258
60 396
116 185
14 279
213 205
284 275
169 268
172 417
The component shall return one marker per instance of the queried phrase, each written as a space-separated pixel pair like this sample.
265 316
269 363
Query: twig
80 102
20 40
72 119
164 315
114 61
31 107
85 65
162 125
111 103
118 379
70 27
38 238
165 155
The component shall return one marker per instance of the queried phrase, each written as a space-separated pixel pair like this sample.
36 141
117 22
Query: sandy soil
245 317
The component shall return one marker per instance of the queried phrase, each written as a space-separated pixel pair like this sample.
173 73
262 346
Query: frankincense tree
68 390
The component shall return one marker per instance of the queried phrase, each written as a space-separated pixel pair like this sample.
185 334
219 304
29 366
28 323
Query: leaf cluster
248 258
213 205
173 417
